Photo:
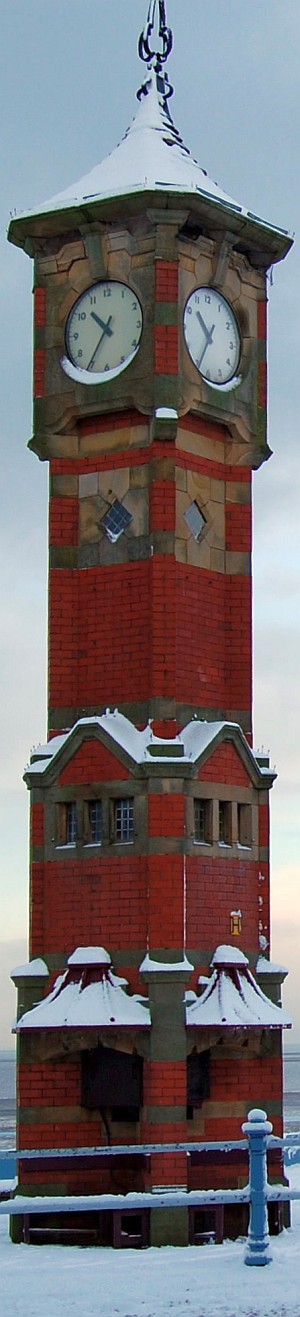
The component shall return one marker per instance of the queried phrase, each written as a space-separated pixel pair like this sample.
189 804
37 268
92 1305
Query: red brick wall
238 527
166 816
83 902
162 505
214 888
92 763
225 765
166 281
63 521
99 635
37 825
149 608
166 901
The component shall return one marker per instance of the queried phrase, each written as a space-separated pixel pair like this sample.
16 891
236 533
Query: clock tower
149 873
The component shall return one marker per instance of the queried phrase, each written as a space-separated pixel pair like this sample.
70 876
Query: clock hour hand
208 332
106 330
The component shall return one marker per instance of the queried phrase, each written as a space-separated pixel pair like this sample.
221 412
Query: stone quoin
149 1011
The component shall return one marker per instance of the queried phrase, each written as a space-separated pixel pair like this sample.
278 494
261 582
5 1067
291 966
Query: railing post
257 1128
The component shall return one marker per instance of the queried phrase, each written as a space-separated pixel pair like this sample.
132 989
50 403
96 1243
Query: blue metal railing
257 1193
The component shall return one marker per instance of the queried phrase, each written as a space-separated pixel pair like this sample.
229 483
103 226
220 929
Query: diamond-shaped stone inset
195 520
115 521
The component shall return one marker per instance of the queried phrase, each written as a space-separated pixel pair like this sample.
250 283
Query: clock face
103 331
212 335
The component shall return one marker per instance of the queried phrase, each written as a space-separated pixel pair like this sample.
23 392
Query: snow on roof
150 966
87 996
233 999
166 414
150 157
265 966
143 746
33 969
89 956
225 955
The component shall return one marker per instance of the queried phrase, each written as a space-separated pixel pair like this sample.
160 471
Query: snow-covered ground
194 1282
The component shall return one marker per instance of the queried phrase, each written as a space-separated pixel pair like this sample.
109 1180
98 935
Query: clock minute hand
106 330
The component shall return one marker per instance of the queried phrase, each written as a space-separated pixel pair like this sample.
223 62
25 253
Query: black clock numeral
219 306
208 374
228 325
207 297
189 310
134 343
139 324
228 362
121 360
106 367
220 373
75 336
134 306
93 301
107 292
81 315
80 354
231 345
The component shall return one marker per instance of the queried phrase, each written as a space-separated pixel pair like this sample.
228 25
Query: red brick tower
149 809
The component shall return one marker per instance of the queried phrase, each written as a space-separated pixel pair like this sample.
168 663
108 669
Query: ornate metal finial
156 58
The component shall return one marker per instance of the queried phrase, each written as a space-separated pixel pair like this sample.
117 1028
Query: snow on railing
258 1192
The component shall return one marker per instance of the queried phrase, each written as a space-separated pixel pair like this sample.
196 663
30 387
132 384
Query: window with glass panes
225 822
244 814
202 820
71 823
123 819
93 829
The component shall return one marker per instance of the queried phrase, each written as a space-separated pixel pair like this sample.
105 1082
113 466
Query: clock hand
209 339
203 325
208 332
100 322
106 330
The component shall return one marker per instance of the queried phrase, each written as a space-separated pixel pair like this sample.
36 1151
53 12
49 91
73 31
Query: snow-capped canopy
233 999
87 996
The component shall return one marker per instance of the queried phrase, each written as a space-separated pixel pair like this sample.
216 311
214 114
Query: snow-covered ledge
270 977
30 982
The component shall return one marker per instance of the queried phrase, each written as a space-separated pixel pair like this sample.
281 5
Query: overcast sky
68 75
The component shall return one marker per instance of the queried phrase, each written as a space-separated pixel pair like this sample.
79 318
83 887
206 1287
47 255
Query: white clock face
103 331
212 335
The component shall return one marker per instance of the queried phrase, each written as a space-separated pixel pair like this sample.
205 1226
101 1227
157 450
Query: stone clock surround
162 267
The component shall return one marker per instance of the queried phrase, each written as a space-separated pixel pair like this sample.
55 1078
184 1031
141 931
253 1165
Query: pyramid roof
151 160
232 999
89 995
